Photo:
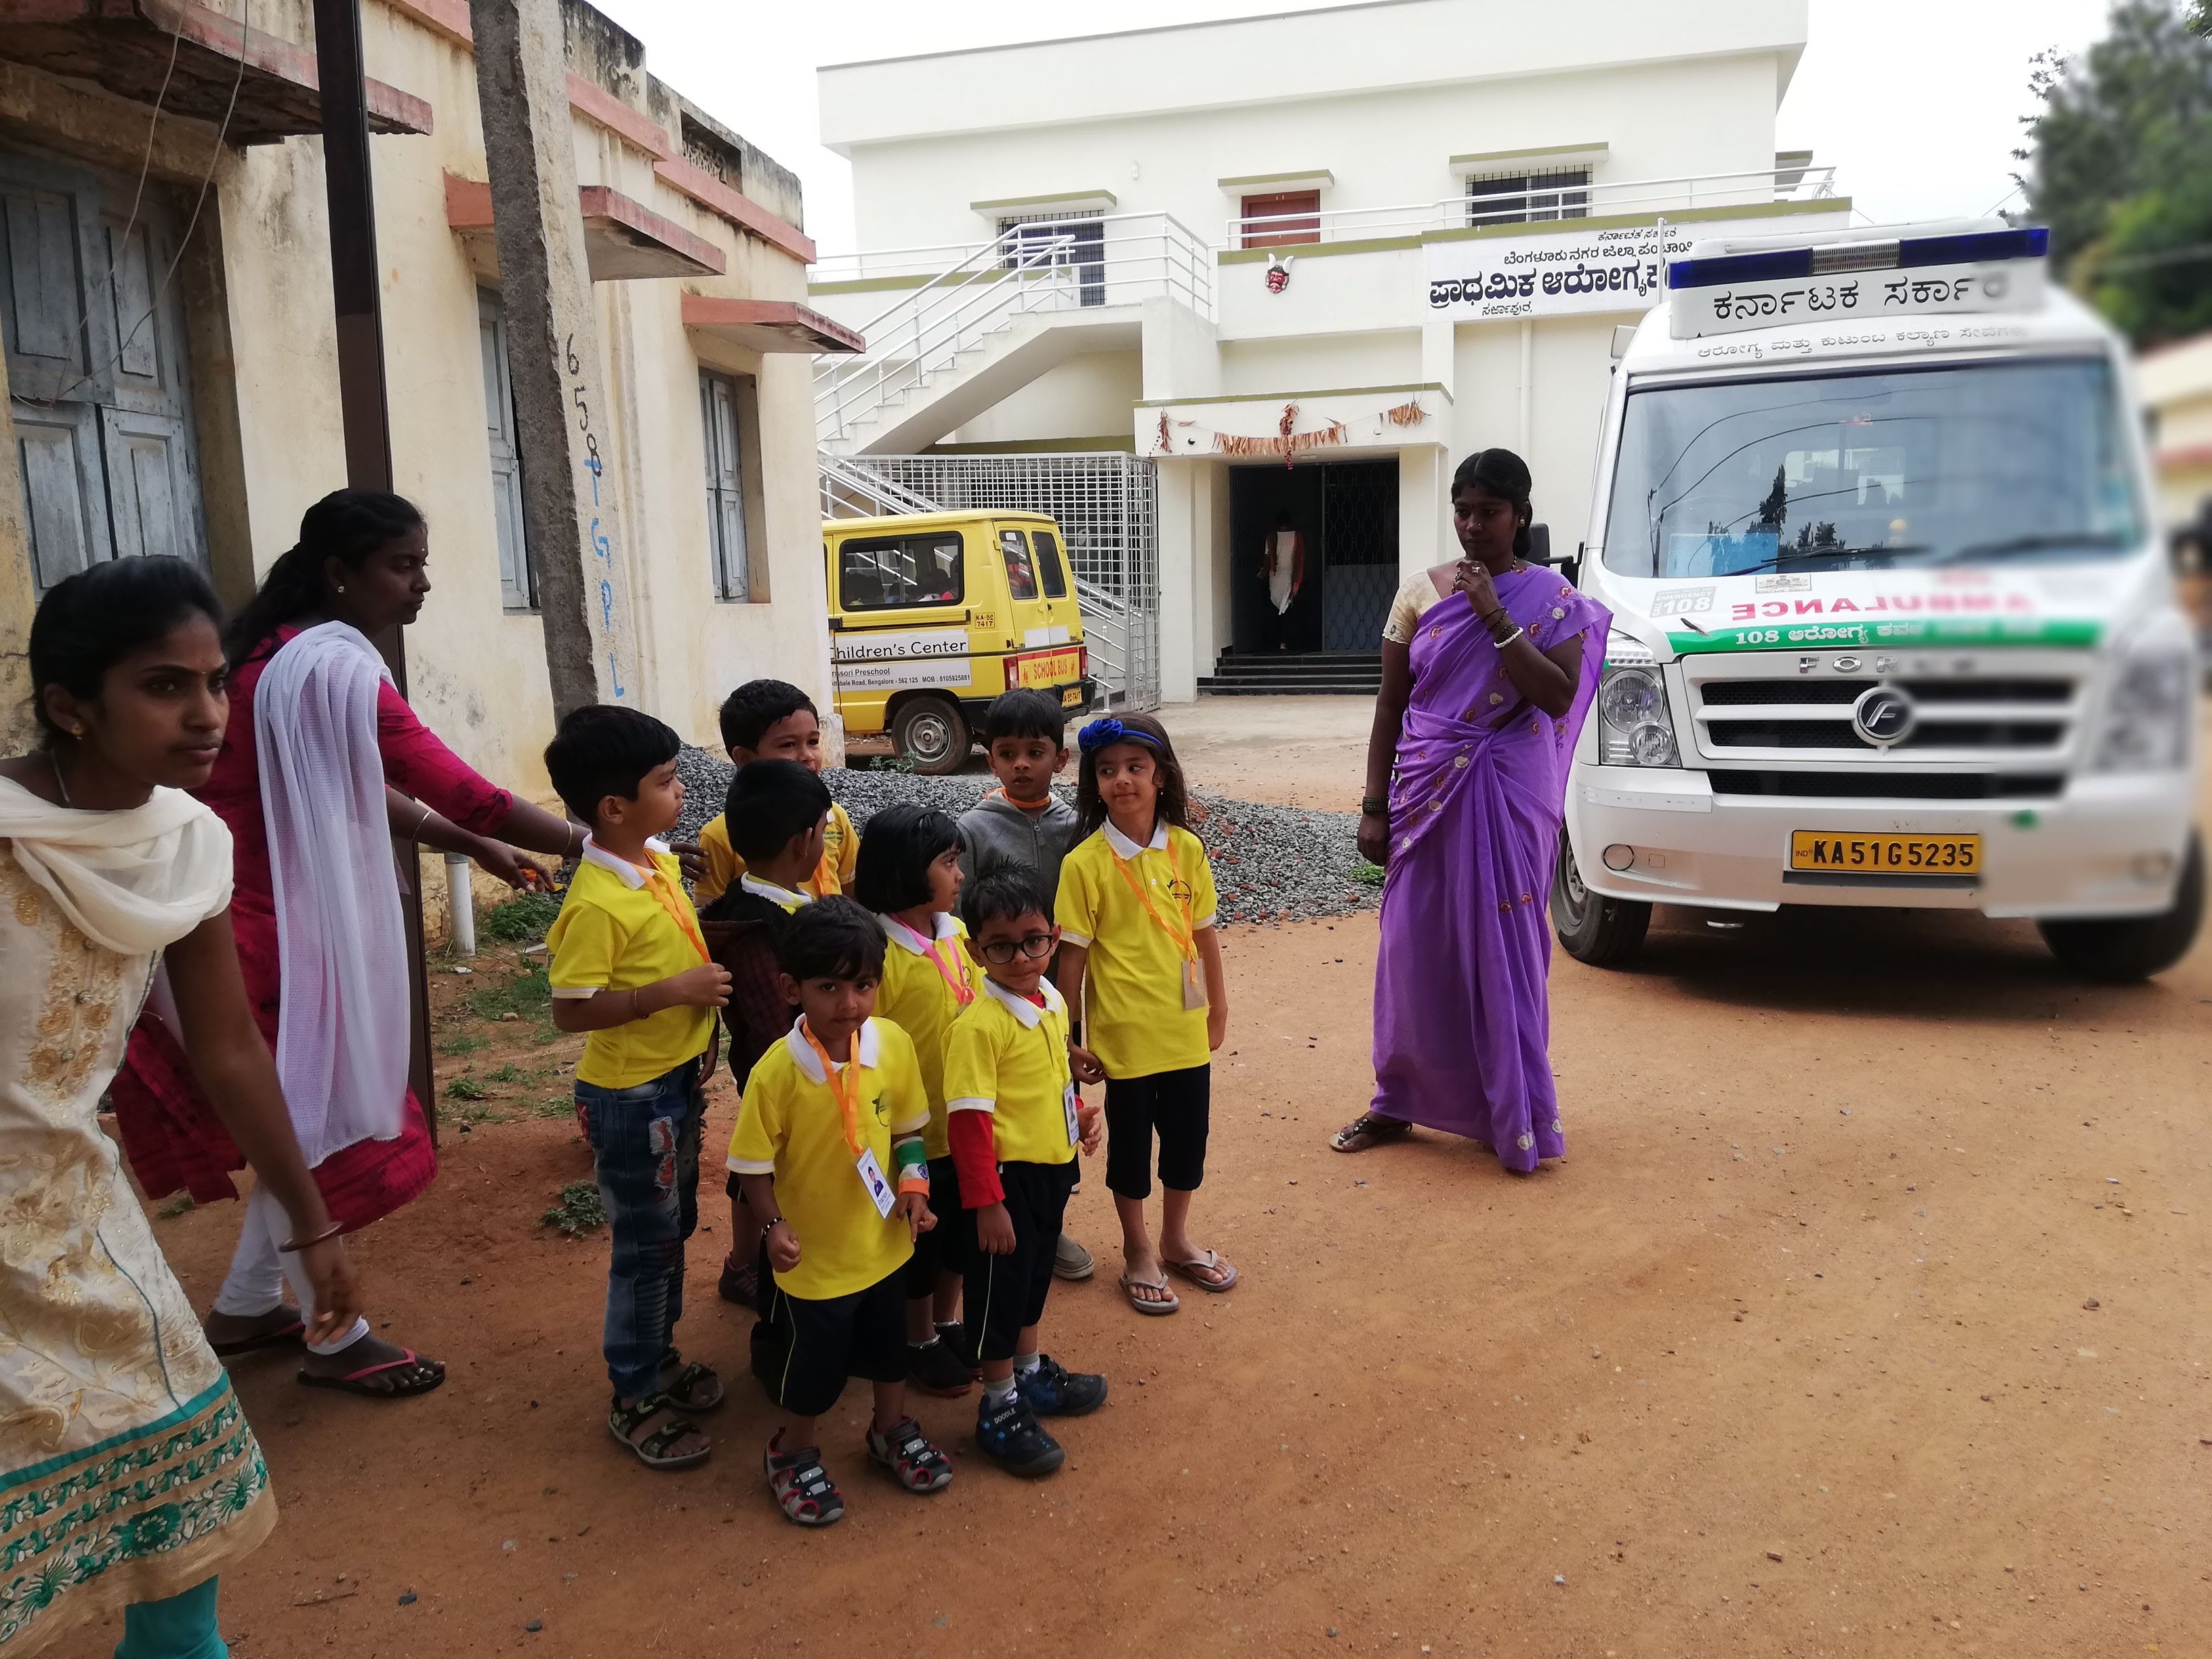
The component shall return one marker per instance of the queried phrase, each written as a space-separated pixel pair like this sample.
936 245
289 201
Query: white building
1366 240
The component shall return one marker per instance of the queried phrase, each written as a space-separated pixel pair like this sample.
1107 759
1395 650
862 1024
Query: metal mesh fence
1106 505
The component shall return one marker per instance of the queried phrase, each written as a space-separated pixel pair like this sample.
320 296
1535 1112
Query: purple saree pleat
1462 1017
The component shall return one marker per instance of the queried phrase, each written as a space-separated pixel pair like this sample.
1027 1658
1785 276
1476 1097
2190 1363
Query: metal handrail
927 330
1549 205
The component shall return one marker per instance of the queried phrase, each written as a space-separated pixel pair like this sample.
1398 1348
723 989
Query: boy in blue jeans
630 966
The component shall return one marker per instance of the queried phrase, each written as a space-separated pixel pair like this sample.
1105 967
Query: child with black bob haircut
910 877
774 720
829 1146
1016 1121
628 966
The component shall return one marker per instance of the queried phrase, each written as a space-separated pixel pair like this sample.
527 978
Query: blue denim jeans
644 1152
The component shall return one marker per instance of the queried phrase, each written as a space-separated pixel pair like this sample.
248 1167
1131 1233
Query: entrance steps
1294 674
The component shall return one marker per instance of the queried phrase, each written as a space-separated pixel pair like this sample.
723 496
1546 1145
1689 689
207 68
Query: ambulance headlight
2149 707
1634 727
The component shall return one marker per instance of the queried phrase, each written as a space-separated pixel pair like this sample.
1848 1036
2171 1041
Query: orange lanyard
1186 942
844 1085
947 970
656 882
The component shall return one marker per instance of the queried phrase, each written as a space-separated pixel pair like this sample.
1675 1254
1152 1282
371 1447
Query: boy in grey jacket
1022 822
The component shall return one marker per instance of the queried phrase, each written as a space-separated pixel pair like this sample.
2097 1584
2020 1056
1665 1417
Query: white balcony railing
1539 210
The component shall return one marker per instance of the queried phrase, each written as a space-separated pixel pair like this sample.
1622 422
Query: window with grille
1044 241
1520 198
719 404
901 572
518 571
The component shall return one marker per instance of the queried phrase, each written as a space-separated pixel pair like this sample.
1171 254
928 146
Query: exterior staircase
1294 674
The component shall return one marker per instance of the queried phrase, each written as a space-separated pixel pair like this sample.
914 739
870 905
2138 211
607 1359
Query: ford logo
1883 715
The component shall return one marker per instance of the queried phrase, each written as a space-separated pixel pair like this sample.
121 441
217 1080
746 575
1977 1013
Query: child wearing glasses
1139 956
1016 1120
910 876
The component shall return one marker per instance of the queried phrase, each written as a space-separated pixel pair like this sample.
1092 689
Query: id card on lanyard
1186 941
845 1088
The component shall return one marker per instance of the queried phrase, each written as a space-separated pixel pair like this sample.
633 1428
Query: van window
1021 574
893 573
1047 554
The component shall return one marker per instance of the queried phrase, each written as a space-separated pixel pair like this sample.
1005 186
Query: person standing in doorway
317 739
1282 568
1489 666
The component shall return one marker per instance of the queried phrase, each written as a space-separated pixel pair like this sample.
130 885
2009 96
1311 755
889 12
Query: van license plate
1072 697
1926 856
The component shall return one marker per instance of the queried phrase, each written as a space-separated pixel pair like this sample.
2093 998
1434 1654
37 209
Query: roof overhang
195 61
1276 184
1544 158
624 239
767 326
1067 201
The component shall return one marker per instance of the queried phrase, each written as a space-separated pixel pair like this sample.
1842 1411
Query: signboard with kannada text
1857 296
1568 271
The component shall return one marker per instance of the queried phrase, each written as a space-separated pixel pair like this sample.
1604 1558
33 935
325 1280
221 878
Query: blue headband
1101 733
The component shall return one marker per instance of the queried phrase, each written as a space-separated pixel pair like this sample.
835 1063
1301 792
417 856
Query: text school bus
933 614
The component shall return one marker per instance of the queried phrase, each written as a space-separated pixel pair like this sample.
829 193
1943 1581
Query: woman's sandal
911 1461
423 1376
624 1421
1369 1129
1167 1305
695 1386
1198 1266
803 1488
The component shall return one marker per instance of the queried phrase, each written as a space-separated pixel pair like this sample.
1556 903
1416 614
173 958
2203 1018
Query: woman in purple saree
1489 667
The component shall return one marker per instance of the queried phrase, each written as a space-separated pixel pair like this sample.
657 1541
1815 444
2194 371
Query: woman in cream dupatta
128 1477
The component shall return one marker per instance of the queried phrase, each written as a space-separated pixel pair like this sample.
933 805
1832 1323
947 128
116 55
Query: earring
77 731
341 588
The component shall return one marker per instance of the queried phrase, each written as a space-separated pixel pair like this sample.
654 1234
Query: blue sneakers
1008 1433
1053 1390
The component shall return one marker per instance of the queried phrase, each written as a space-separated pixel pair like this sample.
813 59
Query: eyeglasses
1001 952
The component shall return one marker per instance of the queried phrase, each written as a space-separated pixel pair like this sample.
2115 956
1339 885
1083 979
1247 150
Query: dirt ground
1868 1315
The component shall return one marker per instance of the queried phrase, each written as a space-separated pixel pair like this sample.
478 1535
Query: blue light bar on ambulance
1837 259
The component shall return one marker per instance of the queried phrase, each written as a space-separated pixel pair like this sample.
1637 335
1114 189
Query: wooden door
1293 216
99 392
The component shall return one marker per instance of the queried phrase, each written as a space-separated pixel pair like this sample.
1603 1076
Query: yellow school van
933 614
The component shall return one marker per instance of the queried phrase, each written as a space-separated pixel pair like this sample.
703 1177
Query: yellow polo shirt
918 998
789 1126
614 934
840 857
1006 1056
1134 1016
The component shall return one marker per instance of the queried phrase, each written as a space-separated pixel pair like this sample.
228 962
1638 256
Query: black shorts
1002 1295
939 1248
1174 1105
805 1349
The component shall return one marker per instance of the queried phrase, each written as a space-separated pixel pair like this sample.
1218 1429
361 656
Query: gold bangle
293 1247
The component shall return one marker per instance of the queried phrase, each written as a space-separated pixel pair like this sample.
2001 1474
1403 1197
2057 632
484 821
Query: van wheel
1605 932
931 733
2130 948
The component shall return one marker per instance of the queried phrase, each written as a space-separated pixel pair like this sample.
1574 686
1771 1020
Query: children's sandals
1199 1266
802 1487
652 1451
695 1386
912 1460
1165 1303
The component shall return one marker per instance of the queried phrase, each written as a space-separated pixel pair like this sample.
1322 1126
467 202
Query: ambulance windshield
1965 463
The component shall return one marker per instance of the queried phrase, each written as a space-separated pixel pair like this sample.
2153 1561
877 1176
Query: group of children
911 1014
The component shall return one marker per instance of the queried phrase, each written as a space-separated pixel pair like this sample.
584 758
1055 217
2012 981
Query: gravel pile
1271 863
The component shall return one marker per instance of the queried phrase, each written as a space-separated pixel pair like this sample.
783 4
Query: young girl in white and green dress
129 1478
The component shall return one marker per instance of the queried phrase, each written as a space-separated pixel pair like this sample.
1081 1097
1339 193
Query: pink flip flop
351 1381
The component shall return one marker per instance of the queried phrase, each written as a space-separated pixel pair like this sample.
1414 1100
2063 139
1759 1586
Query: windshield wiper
2040 542
1792 556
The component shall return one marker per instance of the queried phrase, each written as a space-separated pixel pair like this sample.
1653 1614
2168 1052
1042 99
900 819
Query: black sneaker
1053 1390
1008 1433
933 1367
739 1285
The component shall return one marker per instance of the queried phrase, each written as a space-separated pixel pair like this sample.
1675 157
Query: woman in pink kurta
361 561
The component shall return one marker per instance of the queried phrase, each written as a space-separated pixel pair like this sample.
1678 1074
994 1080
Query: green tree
2119 167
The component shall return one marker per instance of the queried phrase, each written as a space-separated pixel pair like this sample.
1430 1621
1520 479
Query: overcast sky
1916 102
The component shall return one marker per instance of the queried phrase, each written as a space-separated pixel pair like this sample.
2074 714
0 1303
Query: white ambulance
1893 625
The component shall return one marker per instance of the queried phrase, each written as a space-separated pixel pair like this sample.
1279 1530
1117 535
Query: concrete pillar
564 420
1424 534
1183 565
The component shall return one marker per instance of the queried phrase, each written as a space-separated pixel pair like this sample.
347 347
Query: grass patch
472 1115
527 995
509 1072
466 1042
555 1106
577 1211
889 764
464 1088
1369 875
521 919
180 1205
